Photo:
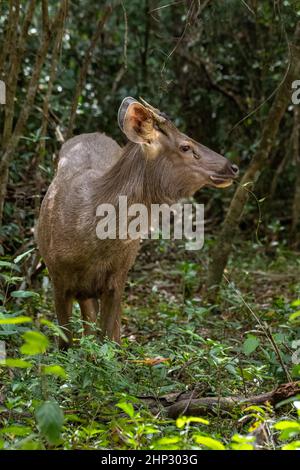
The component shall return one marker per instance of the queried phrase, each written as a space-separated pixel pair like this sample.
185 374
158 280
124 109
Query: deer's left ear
136 121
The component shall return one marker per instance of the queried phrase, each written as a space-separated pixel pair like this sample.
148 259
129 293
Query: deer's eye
185 148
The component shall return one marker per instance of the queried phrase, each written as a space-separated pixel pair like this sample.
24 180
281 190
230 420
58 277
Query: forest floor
102 396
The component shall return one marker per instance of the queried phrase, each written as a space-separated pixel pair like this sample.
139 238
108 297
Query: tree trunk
295 229
222 248
7 152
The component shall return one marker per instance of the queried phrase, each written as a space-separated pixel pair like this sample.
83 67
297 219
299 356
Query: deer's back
94 151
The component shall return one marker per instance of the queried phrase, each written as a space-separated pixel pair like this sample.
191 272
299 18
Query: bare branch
84 69
123 68
207 67
207 405
45 112
11 35
12 79
11 146
222 248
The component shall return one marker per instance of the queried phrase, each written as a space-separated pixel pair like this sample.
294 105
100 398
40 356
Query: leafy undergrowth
96 396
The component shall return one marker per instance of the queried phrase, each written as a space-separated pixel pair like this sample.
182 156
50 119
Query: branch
84 69
27 106
222 248
207 405
123 68
11 34
45 112
15 66
207 67
53 72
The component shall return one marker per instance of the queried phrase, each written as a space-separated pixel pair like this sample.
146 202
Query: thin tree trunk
52 76
10 36
278 172
146 44
12 78
84 69
123 67
222 248
295 229
10 147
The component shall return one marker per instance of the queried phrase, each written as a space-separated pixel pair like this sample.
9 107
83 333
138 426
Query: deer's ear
136 121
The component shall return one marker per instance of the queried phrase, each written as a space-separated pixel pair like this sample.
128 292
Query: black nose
235 169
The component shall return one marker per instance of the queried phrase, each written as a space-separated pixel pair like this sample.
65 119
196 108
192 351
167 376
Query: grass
97 396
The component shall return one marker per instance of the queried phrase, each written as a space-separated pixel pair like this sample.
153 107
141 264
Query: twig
84 69
265 328
123 68
26 108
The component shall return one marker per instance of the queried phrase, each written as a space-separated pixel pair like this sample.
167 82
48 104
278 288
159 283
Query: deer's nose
235 169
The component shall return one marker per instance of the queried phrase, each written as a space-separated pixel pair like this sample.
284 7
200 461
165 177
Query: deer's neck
141 180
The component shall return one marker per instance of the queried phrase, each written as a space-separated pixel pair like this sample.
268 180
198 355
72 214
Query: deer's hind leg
89 311
63 307
111 313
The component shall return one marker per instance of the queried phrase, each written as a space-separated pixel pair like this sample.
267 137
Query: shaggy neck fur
142 180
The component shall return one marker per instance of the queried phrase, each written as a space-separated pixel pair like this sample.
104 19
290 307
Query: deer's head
160 139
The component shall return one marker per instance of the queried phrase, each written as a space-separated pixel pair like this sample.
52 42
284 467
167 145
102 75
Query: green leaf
20 257
16 430
23 294
296 371
295 445
250 344
295 316
168 440
242 442
54 370
295 303
183 420
30 444
15 320
281 425
35 343
127 408
209 442
55 328
256 408
242 446
16 363
6 264
50 419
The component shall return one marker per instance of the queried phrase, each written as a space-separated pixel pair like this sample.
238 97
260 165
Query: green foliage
50 420
250 344
34 343
209 442
96 396
92 396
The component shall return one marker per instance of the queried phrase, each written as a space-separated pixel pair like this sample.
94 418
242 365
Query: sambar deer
158 165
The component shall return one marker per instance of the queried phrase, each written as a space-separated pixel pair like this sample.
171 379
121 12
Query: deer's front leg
89 310
111 313
63 307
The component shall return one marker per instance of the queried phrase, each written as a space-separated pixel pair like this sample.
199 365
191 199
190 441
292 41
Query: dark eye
185 148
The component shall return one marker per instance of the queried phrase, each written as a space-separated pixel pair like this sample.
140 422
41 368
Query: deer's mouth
221 182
